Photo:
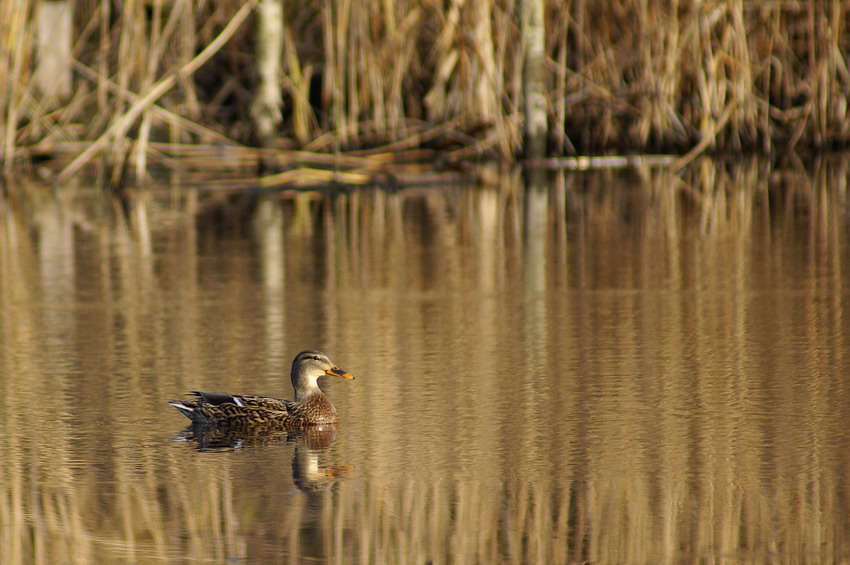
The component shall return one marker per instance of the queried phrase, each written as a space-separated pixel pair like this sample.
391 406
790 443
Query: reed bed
100 83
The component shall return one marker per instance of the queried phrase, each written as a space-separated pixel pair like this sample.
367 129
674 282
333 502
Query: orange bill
337 372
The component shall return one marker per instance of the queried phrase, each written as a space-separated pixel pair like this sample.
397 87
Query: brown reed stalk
297 82
14 50
332 76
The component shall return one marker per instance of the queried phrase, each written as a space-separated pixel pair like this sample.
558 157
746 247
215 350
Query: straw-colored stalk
14 50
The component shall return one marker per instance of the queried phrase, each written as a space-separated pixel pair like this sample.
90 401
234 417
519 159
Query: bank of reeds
101 82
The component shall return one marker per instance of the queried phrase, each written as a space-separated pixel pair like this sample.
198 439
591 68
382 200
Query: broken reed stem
306 176
120 126
204 133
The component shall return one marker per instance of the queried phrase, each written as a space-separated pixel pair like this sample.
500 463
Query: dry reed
360 74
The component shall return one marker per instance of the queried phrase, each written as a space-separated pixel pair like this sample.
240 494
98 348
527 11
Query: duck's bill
337 372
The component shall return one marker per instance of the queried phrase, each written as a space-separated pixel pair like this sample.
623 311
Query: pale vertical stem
299 80
154 55
103 56
129 44
142 145
133 51
837 72
768 91
17 38
744 118
485 98
533 86
266 107
52 74
341 24
329 81
560 133
186 49
354 51
332 95
400 61
811 28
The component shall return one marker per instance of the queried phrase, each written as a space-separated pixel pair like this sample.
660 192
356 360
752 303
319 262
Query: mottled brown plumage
310 407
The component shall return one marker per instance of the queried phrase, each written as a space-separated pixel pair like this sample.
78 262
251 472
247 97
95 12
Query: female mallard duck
310 407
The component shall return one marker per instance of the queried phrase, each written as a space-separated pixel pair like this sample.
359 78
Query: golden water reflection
619 367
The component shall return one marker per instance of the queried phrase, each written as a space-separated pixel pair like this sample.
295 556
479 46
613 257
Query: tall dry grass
366 74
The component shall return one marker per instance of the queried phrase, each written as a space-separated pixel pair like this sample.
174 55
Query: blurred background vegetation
150 81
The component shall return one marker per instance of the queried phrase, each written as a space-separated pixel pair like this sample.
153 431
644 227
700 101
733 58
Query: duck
310 408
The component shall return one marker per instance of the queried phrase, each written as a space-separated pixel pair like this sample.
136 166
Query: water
618 367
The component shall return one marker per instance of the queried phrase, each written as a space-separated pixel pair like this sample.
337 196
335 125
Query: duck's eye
315 358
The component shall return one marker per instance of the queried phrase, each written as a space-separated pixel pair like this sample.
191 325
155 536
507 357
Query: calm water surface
632 367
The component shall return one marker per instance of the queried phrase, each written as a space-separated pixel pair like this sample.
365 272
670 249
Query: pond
624 366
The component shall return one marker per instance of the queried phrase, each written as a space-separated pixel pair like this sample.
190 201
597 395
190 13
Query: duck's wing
244 401
220 407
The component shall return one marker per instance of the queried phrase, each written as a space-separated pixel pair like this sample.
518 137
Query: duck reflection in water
309 471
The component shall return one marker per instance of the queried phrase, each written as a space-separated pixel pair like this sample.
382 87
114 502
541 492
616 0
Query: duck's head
307 367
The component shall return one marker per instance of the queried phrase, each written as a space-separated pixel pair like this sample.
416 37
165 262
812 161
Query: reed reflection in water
616 368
